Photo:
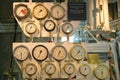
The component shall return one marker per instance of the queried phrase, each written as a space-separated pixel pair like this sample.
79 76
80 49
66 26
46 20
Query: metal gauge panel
40 53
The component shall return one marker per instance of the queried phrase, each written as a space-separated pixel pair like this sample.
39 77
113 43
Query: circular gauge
31 28
21 11
85 69
69 68
49 25
40 11
59 52
30 69
77 52
67 28
57 12
21 53
50 68
101 72
40 53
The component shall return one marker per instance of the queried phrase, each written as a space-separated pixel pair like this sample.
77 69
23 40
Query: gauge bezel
29 31
66 65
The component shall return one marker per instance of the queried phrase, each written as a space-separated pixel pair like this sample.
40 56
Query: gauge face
50 68
40 11
77 52
40 53
21 11
59 53
101 72
57 12
49 25
67 28
85 69
69 68
31 28
30 69
21 53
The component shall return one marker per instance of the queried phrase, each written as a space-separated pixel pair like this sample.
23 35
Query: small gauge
67 28
30 69
69 68
59 52
85 69
40 11
30 28
101 72
21 53
49 25
77 52
57 12
40 53
21 11
50 68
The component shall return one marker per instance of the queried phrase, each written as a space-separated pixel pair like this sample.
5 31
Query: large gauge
69 68
40 11
77 52
30 28
30 69
40 53
67 28
101 72
59 52
21 53
57 12
21 11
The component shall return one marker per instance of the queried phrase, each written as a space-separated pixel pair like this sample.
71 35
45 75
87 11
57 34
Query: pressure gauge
101 72
31 28
85 69
49 25
40 53
77 52
40 11
50 68
21 11
21 53
30 69
59 52
67 28
57 12
69 68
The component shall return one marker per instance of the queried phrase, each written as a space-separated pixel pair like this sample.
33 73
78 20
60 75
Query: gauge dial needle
30 69
85 69
58 53
40 11
69 68
49 69
40 53
21 55
102 73
77 53
23 11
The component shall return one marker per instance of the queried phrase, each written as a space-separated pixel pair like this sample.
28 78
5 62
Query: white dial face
40 53
30 69
57 12
21 11
69 68
85 69
59 53
50 68
101 72
21 53
78 52
67 28
40 11
30 28
49 25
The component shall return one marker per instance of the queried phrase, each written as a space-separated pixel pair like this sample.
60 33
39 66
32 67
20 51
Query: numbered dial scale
40 11
77 52
85 69
30 69
21 53
50 68
101 72
59 53
21 11
69 68
57 12
49 25
40 53
67 28
30 28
